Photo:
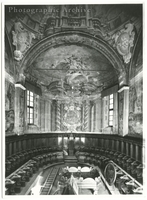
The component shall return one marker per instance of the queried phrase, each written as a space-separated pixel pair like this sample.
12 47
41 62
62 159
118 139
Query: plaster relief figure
22 39
124 41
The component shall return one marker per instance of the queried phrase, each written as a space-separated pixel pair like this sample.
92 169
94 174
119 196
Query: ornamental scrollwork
123 41
22 40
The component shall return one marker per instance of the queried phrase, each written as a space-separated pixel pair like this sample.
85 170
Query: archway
79 39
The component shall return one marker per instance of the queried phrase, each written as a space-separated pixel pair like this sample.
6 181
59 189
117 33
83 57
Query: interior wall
9 89
136 92
136 107
9 107
98 115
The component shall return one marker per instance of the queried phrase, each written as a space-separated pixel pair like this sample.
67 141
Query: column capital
19 85
123 88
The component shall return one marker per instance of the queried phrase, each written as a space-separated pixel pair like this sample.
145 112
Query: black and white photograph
73 99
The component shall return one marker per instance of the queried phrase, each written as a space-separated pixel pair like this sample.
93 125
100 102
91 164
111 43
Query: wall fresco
120 121
21 113
9 107
136 109
72 116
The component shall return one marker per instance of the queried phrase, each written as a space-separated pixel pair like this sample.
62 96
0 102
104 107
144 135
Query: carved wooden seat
8 167
22 173
17 179
28 173
10 185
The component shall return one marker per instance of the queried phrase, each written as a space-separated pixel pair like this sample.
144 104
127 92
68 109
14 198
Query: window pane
31 110
110 117
111 112
31 93
111 106
31 104
28 97
110 123
31 121
31 98
31 116
111 101
28 103
111 96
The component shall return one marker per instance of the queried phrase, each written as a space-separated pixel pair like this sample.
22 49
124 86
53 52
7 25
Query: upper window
30 107
111 110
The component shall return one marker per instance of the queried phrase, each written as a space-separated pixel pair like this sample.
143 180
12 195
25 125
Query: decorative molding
73 37
138 77
123 88
124 41
20 86
9 77
22 40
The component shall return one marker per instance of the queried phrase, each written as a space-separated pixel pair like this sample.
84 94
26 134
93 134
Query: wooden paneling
129 146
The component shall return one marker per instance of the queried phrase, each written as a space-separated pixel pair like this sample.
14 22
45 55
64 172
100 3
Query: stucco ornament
124 41
22 39
71 117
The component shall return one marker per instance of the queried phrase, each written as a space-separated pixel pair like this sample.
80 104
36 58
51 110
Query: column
61 116
131 150
49 114
86 116
115 113
58 116
17 108
46 114
127 149
92 118
87 16
136 152
122 147
123 110
61 14
117 145
82 116
53 115
42 115
98 121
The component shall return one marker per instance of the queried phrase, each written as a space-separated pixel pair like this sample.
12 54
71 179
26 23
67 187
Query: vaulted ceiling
82 69
75 70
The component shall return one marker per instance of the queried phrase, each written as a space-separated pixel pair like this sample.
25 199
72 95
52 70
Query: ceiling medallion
124 41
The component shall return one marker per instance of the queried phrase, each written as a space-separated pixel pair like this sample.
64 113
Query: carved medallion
124 41
72 117
110 173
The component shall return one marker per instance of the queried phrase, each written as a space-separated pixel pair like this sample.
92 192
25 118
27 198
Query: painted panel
121 105
9 108
136 109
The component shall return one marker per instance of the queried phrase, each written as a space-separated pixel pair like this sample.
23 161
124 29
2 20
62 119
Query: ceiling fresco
73 71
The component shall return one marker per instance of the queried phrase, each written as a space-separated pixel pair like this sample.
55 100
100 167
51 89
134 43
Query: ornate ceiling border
70 38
